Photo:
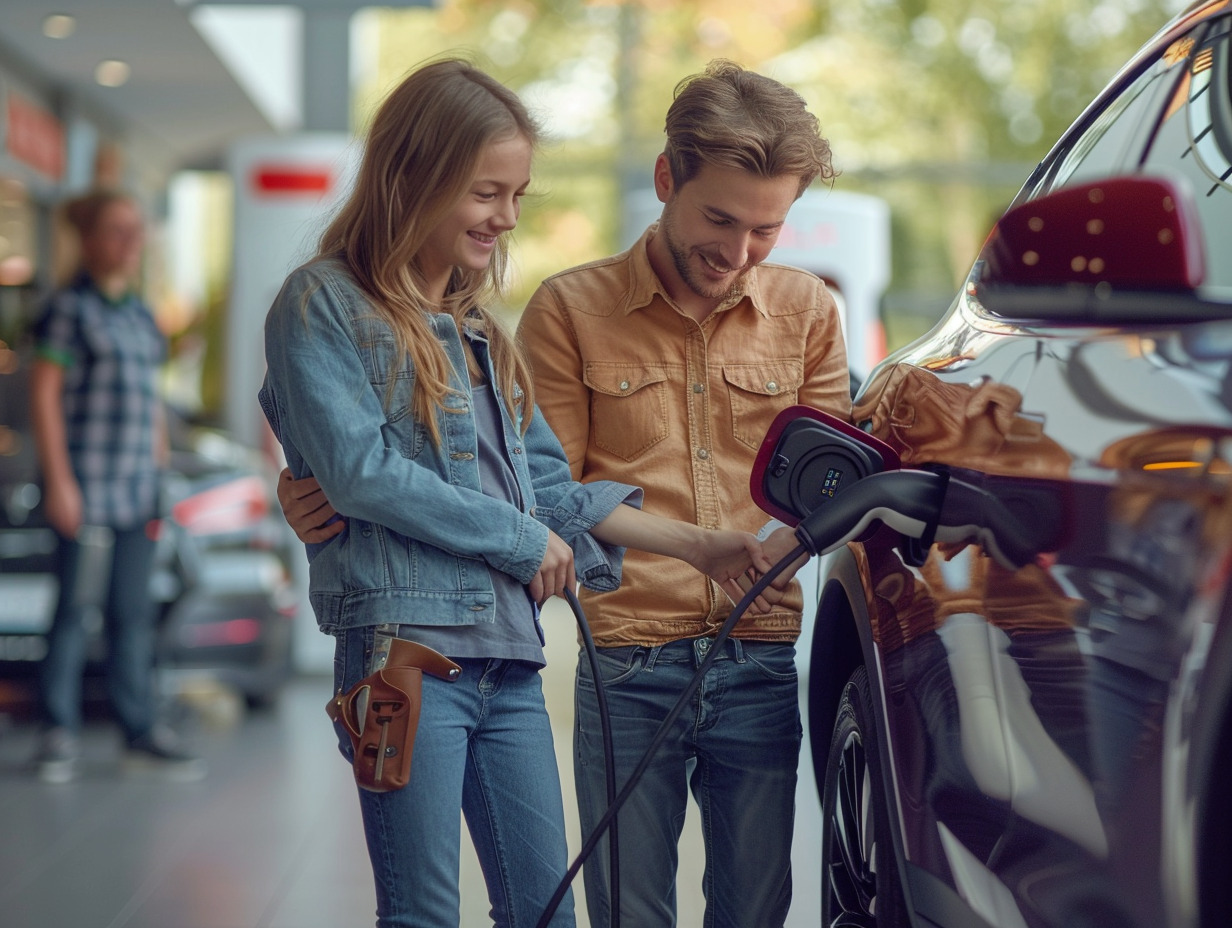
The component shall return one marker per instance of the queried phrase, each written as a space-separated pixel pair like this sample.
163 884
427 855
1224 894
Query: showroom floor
262 842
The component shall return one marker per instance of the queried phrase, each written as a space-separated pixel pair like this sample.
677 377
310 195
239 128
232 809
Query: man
663 367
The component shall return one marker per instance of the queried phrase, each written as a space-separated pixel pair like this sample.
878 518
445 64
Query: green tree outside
939 106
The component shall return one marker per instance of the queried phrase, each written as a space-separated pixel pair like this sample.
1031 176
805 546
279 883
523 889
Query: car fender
842 640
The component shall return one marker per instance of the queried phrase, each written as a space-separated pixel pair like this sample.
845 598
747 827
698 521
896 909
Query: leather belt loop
383 636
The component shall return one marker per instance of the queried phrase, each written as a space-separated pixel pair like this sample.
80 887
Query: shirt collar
645 285
85 281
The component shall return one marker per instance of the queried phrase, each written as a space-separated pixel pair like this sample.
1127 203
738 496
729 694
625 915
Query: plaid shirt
110 352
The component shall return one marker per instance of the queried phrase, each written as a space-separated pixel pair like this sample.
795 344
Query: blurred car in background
1025 720
221 582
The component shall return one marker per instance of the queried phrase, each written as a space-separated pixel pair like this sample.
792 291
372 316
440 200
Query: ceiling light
112 72
59 26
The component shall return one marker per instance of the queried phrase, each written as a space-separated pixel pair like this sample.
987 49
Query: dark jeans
735 747
128 619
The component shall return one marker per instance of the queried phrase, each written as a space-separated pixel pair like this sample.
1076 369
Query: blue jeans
483 746
128 617
735 747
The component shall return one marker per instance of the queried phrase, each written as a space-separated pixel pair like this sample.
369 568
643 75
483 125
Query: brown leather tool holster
381 713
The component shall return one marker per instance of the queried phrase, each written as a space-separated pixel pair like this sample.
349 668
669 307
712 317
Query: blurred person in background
101 440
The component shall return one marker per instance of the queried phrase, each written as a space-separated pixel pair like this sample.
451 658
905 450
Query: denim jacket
420 534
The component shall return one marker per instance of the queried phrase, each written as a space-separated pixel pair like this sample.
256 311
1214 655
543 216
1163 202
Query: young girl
392 385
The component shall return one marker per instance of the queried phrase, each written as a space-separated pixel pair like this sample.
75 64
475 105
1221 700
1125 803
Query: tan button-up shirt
639 392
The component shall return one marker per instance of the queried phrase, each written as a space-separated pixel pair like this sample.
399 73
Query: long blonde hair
421 154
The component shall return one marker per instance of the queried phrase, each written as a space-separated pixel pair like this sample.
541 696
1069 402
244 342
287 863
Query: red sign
34 136
291 179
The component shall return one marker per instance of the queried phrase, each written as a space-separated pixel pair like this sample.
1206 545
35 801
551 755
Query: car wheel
859 884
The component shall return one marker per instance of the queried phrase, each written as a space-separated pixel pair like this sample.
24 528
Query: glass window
1194 140
1116 137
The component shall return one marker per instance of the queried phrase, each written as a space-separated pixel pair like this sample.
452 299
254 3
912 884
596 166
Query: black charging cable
609 817
609 756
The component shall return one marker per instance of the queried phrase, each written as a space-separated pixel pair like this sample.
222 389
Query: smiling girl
391 383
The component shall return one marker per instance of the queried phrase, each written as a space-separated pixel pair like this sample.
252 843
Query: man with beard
663 367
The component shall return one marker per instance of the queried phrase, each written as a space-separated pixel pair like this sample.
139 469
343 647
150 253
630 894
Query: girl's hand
306 509
555 574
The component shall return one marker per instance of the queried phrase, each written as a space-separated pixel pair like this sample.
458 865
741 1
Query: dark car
221 583
1021 690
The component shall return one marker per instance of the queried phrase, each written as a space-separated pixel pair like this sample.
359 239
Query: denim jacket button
532 510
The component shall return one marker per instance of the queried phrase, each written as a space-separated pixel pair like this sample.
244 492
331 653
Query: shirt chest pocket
628 407
758 392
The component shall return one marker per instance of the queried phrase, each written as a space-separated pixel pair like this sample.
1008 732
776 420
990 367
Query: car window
1194 140
1117 135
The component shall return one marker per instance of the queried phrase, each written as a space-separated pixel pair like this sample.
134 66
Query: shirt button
703 453
699 388
532 510
772 386
624 385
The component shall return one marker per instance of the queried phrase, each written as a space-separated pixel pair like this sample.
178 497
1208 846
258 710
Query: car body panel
1051 674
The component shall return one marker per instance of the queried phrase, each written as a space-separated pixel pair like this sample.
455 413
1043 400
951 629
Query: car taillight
228 507
217 634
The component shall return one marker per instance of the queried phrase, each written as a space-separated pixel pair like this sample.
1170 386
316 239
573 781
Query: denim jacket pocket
628 406
393 382
758 392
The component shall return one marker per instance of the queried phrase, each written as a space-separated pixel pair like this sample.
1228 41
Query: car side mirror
1127 247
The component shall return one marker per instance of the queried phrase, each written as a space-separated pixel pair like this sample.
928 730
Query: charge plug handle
908 501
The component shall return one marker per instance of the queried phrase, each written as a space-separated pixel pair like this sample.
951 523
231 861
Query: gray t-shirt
516 633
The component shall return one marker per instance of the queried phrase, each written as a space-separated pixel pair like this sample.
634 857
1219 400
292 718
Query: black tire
859 878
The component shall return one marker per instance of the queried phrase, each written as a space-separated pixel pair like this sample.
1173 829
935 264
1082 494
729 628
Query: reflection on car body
1026 722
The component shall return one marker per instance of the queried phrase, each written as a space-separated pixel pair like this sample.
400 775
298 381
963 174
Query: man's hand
776 547
728 556
555 574
306 509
